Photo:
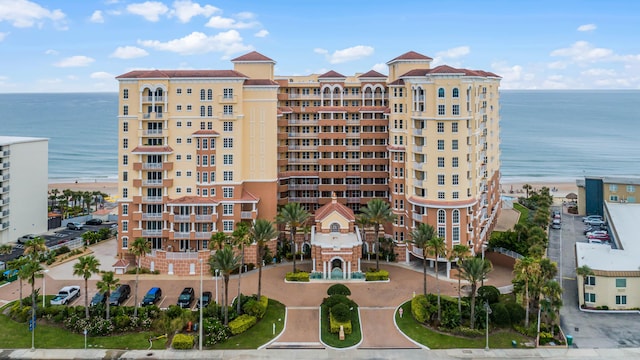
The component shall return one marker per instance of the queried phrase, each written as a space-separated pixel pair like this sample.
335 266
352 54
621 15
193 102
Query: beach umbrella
572 196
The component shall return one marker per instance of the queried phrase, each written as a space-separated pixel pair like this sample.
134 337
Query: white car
66 295
597 232
586 219
596 222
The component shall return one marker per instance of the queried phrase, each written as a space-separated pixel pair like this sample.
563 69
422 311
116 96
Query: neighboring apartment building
24 172
203 149
594 191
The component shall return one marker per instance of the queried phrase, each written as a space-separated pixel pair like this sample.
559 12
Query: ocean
547 136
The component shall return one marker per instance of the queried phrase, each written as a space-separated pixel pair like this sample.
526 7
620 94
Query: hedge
256 308
182 342
242 323
418 308
334 325
377 275
338 289
297 276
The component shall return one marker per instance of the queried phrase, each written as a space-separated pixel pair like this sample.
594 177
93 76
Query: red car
600 236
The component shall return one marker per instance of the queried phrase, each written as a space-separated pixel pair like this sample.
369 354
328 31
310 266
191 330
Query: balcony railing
5 165
152 199
152 182
181 235
152 132
148 166
246 214
154 232
417 217
203 217
152 98
203 235
149 216
181 217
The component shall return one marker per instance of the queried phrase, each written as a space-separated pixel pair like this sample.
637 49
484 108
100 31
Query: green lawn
333 340
260 333
435 340
524 213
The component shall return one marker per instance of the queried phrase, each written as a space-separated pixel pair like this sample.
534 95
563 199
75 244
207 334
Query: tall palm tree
18 264
552 300
6 249
420 237
473 270
218 240
139 248
85 267
241 240
437 247
527 270
33 248
261 232
363 223
378 212
108 283
31 270
457 254
584 271
225 261
527 187
294 216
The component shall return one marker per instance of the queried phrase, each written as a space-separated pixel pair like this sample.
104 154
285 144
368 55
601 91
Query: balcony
417 148
4 189
152 132
152 182
5 165
248 214
417 217
417 132
204 218
181 218
227 99
152 115
181 235
152 233
5 177
152 99
152 199
5 153
151 216
203 235
4 214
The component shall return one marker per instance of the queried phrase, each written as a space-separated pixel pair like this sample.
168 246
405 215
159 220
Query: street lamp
200 326
487 308
44 286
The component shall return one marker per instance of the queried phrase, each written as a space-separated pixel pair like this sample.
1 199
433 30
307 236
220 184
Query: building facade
594 191
201 150
24 174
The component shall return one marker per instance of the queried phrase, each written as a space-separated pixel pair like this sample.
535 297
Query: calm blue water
546 135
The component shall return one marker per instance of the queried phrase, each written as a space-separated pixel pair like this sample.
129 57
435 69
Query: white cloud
229 42
128 52
24 13
219 22
513 76
75 61
51 52
345 55
262 33
582 51
381 68
453 53
150 10
245 15
3 35
557 65
184 10
101 75
97 17
599 72
587 27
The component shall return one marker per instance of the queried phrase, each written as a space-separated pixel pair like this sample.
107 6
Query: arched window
202 111
209 110
456 93
442 216
441 92
202 94
209 94
335 227
455 216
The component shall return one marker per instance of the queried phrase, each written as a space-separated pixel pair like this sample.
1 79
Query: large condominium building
201 150
23 186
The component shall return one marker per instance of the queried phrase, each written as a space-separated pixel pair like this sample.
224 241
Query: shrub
182 342
468 332
214 331
338 289
381 275
174 311
334 325
62 250
419 305
545 338
297 276
341 312
500 315
450 318
242 323
256 308
516 312
333 300
489 293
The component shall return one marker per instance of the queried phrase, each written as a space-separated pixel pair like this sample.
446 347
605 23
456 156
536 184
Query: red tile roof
334 206
372 109
411 55
372 74
190 200
260 82
247 196
206 132
152 149
252 56
396 82
331 74
121 263
446 69
440 203
146 74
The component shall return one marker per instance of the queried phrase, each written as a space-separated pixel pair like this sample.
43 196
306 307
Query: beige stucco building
201 150
23 186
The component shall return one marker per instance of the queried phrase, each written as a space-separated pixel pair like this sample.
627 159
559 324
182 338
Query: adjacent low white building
616 279
24 170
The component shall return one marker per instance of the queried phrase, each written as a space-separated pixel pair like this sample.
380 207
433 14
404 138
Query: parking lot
589 330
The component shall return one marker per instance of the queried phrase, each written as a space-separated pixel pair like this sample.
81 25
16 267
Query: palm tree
85 267
107 284
362 223
527 270
225 261
35 247
31 270
527 187
17 264
437 247
457 254
139 248
584 271
473 270
420 237
241 240
294 216
218 240
377 212
261 232
552 300
5 249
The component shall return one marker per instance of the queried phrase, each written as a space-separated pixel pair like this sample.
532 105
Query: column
349 270
313 266
448 269
324 269
344 270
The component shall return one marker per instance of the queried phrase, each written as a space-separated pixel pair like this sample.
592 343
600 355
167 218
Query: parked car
597 232
120 295
556 224
591 217
206 299
591 228
597 241
74 226
186 297
152 296
66 295
596 222
93 221
603 237
26 238
98 298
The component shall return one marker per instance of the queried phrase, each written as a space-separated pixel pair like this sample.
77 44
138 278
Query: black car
94 222
98 298
120 295
186 297
206 299
152 296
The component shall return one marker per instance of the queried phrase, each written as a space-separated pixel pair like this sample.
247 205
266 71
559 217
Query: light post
200 326
487 308
44 287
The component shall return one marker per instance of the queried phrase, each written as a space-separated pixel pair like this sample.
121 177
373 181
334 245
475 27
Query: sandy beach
107 187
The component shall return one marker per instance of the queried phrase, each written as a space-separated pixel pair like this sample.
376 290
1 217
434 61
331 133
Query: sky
82 45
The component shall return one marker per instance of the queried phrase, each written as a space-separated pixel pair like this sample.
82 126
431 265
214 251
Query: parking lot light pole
200 326
488 311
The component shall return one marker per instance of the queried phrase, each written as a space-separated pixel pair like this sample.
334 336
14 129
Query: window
202 94
188 190
189 141
591 280
440 127
442 232
441 110
188 124
178 190
189 91
455 195
178 173
631 188
454 144
621 299
441 92
179 91
228 110
125 226
613 198
227 175
455 110
178 108
613 187
440 179
125 176
125 110
455 179
227 143
125 240
227 192
227 126
227 93
441 195
440 144
227 225
202 111
125 126
125 209
227 209
209 111
188 158
454 162
125 143
209 94
178 140
621 283
455 93
178 157
178 123
125 159
189 108
454 127
227 159
590 297
441 162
